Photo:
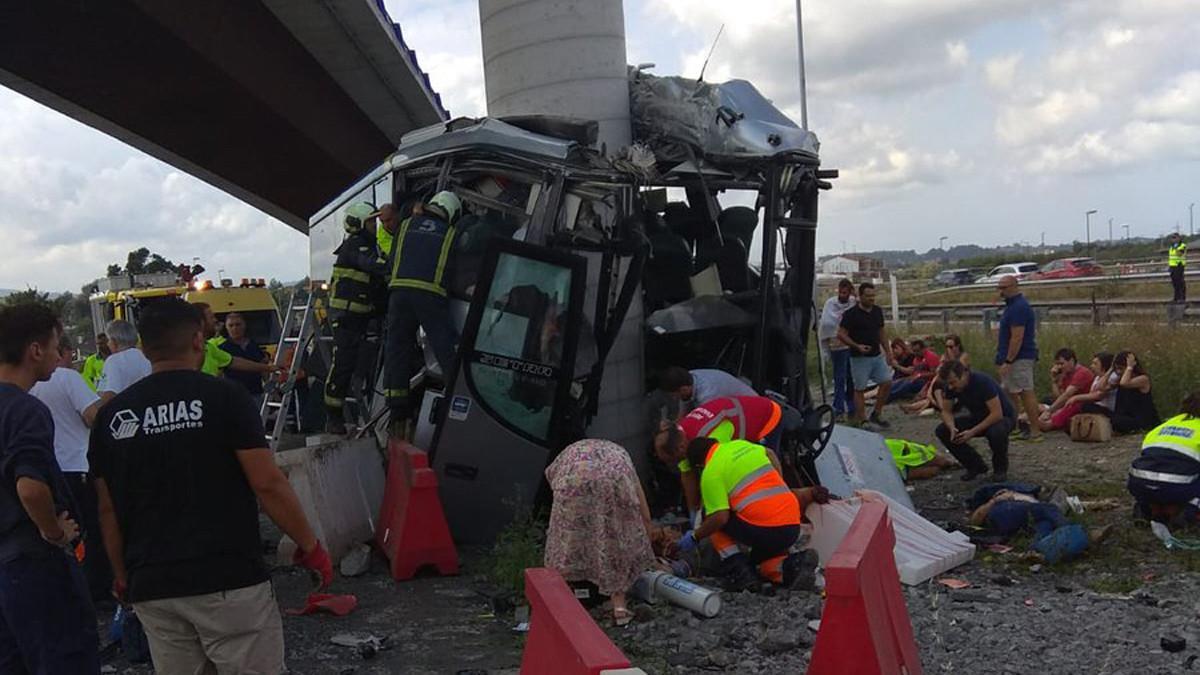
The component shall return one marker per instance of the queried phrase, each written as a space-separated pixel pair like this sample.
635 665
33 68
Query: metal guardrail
1094 312
1117 276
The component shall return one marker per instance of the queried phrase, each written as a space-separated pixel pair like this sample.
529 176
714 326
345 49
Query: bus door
505 414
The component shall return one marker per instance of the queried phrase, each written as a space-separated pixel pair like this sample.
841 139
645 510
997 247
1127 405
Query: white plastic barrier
923 550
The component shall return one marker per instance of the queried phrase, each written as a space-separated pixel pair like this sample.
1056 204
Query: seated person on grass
923 367
1067 378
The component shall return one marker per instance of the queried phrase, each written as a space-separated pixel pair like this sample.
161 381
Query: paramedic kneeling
746 505
1165 479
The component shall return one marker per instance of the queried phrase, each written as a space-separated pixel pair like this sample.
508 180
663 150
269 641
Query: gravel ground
1105 613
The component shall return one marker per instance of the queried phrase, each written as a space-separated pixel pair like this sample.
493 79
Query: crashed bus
578 277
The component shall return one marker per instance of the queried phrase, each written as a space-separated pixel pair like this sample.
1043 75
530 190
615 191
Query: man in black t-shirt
984 412
181 466
871 361
47 624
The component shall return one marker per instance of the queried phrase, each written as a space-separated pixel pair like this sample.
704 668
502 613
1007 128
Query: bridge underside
281 103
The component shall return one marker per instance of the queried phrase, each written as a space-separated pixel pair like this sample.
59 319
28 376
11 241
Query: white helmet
356 215
447 205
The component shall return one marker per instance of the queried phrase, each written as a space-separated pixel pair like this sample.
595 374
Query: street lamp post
1087 223
942 242
1191 221
803 84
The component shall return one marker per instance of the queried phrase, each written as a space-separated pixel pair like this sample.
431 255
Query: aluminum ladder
300 327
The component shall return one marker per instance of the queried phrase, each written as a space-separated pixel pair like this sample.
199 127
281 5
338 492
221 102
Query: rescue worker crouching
748 506
417 298
1165 479
356 271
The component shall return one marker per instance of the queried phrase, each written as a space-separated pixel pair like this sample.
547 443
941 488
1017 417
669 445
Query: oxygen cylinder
653 585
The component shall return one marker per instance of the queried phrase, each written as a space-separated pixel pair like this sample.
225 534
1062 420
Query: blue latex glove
687 542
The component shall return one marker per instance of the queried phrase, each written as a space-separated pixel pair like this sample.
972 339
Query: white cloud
1001 72
852 46
1134 142
1179 99
1110 93
1021 124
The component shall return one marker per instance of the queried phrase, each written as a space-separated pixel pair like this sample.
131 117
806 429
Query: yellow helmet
356 215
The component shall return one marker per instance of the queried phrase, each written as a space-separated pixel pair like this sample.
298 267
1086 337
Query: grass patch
521 545
1118 585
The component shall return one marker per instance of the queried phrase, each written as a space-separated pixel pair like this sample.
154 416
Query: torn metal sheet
723 122
857 460
699 313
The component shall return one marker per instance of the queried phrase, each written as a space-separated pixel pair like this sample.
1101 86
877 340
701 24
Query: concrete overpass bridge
281 103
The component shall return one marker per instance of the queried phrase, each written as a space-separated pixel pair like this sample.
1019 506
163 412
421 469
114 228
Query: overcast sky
986 121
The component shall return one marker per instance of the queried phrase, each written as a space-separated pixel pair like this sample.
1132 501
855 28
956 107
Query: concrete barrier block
340 485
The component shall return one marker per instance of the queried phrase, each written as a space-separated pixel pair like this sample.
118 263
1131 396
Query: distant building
858 267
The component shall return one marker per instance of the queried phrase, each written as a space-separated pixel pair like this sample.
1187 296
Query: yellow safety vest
1177 255
384 240
1180 433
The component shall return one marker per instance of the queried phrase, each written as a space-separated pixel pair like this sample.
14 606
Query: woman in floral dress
600 523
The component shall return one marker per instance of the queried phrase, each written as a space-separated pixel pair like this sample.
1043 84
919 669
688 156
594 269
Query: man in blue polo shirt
1016 352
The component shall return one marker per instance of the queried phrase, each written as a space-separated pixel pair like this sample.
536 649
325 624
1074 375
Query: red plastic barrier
865 629
563 639
412 530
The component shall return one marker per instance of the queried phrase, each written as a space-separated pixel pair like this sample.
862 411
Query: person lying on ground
1055 539
1165 479
748 506
917 461
181 468
1067 378
924 366
1134 408
986 413
699 386
600 525
751 418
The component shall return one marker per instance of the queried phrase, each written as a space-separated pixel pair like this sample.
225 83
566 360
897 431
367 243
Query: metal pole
803 85
942 242
1126 226
1191 221
1110 230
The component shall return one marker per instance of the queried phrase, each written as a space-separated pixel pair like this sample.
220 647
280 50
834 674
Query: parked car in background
1069 268
956 277
1022 271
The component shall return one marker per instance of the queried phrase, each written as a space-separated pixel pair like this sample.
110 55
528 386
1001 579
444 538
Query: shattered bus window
519 344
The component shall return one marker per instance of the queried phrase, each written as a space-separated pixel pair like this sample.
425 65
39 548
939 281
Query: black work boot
800 570
739 575
334 422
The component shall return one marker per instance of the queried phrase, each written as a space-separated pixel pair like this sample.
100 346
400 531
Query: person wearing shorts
871 362
1016 351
